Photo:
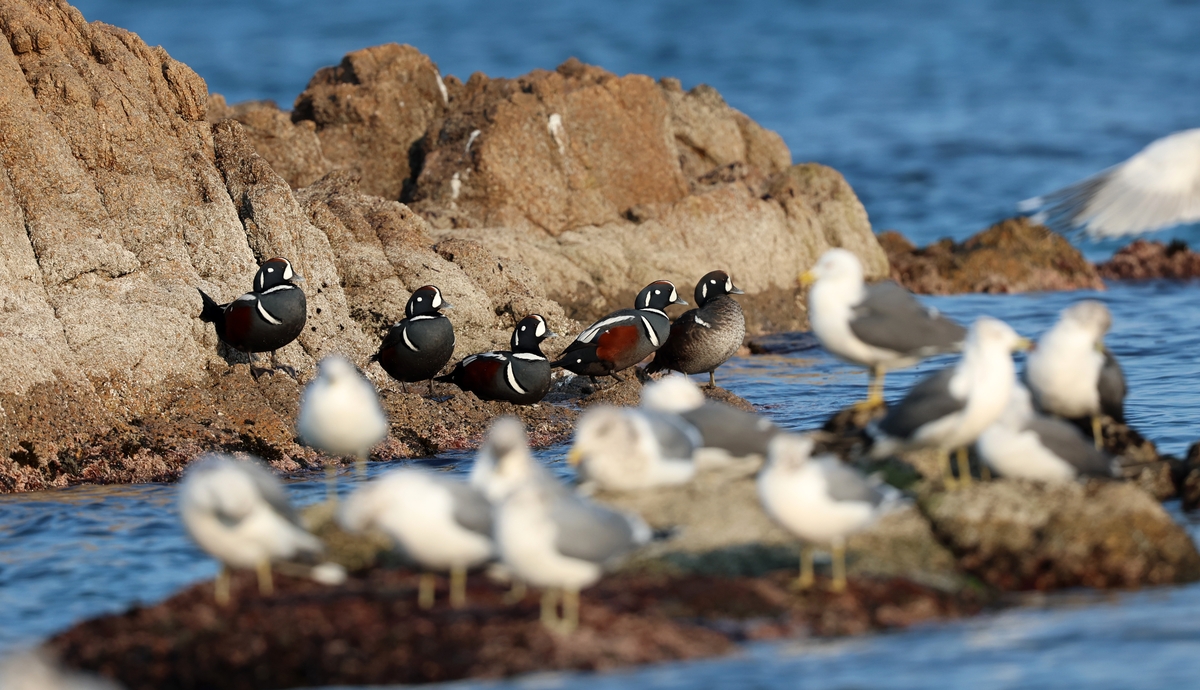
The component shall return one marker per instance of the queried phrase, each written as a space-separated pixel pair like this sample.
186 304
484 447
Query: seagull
820 500
237 511
340 414
440 522
1072 374
625 449
880 326
504 461
948 410
551 538
1158 187
1025 445
724 430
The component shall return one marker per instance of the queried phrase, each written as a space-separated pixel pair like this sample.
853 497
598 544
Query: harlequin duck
703 338
264 319
624 337
520 376
422 342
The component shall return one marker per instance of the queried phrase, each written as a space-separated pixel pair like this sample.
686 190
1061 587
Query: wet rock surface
1014 255
1145 259
370 631
1023 535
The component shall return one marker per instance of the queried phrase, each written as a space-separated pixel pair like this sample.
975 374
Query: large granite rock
1144 259
1014 255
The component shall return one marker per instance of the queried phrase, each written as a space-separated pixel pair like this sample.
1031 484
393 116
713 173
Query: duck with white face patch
625 337
265 319
418 346
704 338
520 375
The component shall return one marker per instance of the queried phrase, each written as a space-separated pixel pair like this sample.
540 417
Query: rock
1014 255
1019 535
370 110
1189 484
369 631
1145 259
292 150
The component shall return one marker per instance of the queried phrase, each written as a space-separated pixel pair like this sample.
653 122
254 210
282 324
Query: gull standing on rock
1025 445
880 326
340 414
704 338
238 513
724 429
551 538
440 522
624 449
1071 374
1156 188
820 500
950 408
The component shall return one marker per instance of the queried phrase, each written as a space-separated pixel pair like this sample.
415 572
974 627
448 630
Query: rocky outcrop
1014 255
1145 259
370 631
1024 535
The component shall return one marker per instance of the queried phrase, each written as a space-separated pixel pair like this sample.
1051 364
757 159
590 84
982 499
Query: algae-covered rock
1017 535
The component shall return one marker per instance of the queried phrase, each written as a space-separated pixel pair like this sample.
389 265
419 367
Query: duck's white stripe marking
702 322
247 296
278 288
660 312
593 330
512 379
650 331
407 342
423 317
529 356
267 315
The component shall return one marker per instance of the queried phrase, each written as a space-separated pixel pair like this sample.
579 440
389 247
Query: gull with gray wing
340 414
725 431
879 326
623 449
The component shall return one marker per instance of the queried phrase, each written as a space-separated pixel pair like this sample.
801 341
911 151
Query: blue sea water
941 114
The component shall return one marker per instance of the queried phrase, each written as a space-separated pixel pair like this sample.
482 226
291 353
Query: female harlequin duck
625 337
703 338
264 319
419 345
521 376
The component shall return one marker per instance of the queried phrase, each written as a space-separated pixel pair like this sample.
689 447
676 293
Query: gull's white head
994 334
1091 316
219 484
835 266
504 461
674 393
336 370
789 452
611 435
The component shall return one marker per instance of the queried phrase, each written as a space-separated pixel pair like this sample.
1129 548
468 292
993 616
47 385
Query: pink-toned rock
1143 259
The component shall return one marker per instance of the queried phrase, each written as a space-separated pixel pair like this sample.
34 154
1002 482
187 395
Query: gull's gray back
676 438
928 401
728 428
889 317
590 532
1065 441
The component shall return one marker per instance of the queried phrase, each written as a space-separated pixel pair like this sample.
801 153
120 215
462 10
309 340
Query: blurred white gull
950 408
440 522
238 512
1025 445
1071 374
1157 188
504 461
820 500
624 449
880 326
340 413
725 431
548 537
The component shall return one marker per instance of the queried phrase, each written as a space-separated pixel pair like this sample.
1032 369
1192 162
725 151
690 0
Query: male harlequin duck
419 345
703 338
521 376
625 337
264 319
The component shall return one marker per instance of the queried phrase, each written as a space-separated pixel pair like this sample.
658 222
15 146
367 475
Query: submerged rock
1017 535
1014 255
370 631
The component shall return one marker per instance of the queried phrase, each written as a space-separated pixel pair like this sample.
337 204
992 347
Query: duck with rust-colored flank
419 345
520 376
704 338
263 320
624 337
